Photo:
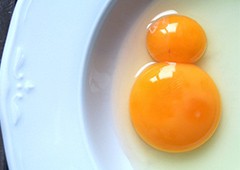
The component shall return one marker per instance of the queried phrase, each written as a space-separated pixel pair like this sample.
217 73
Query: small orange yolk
174 107
176 38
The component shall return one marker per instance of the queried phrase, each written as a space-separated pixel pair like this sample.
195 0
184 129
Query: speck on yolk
174 107
176 38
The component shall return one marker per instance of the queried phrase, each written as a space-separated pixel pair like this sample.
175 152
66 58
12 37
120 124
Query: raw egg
174 107
176 38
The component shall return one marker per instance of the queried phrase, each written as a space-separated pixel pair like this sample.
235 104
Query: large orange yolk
174 107
176 38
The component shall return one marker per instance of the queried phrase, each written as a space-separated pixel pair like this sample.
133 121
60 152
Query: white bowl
41 83
66 73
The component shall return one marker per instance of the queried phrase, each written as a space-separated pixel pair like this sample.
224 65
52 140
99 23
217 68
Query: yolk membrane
176 38
174 107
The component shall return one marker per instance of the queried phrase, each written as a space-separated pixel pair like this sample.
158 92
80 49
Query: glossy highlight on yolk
176 38
174 107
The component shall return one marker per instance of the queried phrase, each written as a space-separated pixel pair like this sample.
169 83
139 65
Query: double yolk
174 105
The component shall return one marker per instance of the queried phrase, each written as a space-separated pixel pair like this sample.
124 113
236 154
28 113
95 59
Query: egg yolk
176 38
174 107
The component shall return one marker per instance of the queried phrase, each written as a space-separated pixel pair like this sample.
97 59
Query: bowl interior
98 83
114 59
